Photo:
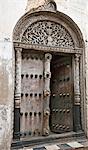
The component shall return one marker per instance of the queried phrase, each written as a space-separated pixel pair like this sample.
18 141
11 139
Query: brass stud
39 133
36 58
68 79
30 113
34 133
60 94
21 113
24 134
60 110
35 113
31 94
26 114
64 110
68 110
35 94
20 134
22 75
60 126
56 110
53 125
29 132
53 110
22 94
39 113
68 127
40 76
27 57
63 126
68 94
26 94
31 76
47 75
56 126
60 80
54 95
64 79
64 95
40 94
68 65
36 76
27 75
32 57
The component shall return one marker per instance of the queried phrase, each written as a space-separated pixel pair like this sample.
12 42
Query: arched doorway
48 53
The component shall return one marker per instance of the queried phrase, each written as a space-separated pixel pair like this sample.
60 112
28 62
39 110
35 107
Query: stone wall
6 93
10 12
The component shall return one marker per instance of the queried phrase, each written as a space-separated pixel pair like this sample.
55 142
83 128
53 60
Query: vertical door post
47 76
17 99
77 115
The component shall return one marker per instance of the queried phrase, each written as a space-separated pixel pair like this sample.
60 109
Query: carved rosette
44 5
47 76
18 78
47 33
77 80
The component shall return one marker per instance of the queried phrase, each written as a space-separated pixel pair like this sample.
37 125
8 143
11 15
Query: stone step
53 138
81 144
65 146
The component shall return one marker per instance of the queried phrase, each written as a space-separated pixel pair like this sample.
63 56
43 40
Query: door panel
61 118
31 109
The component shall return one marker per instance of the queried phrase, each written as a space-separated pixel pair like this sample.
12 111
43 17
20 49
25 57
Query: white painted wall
10 12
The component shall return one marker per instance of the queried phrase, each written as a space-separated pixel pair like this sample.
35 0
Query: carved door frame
74 47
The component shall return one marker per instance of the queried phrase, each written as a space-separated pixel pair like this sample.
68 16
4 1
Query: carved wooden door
61 104
31 108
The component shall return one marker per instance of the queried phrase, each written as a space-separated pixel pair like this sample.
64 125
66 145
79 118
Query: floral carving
49 34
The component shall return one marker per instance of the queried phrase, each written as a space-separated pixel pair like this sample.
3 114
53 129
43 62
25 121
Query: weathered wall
6 93
10 12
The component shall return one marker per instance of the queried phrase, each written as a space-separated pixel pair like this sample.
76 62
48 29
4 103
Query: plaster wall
10 12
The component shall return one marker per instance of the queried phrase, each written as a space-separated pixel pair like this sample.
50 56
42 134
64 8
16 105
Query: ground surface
70 145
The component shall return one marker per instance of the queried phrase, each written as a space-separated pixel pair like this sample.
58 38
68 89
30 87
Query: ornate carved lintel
46 48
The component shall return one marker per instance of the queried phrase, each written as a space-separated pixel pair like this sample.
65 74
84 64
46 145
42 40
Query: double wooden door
32 94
